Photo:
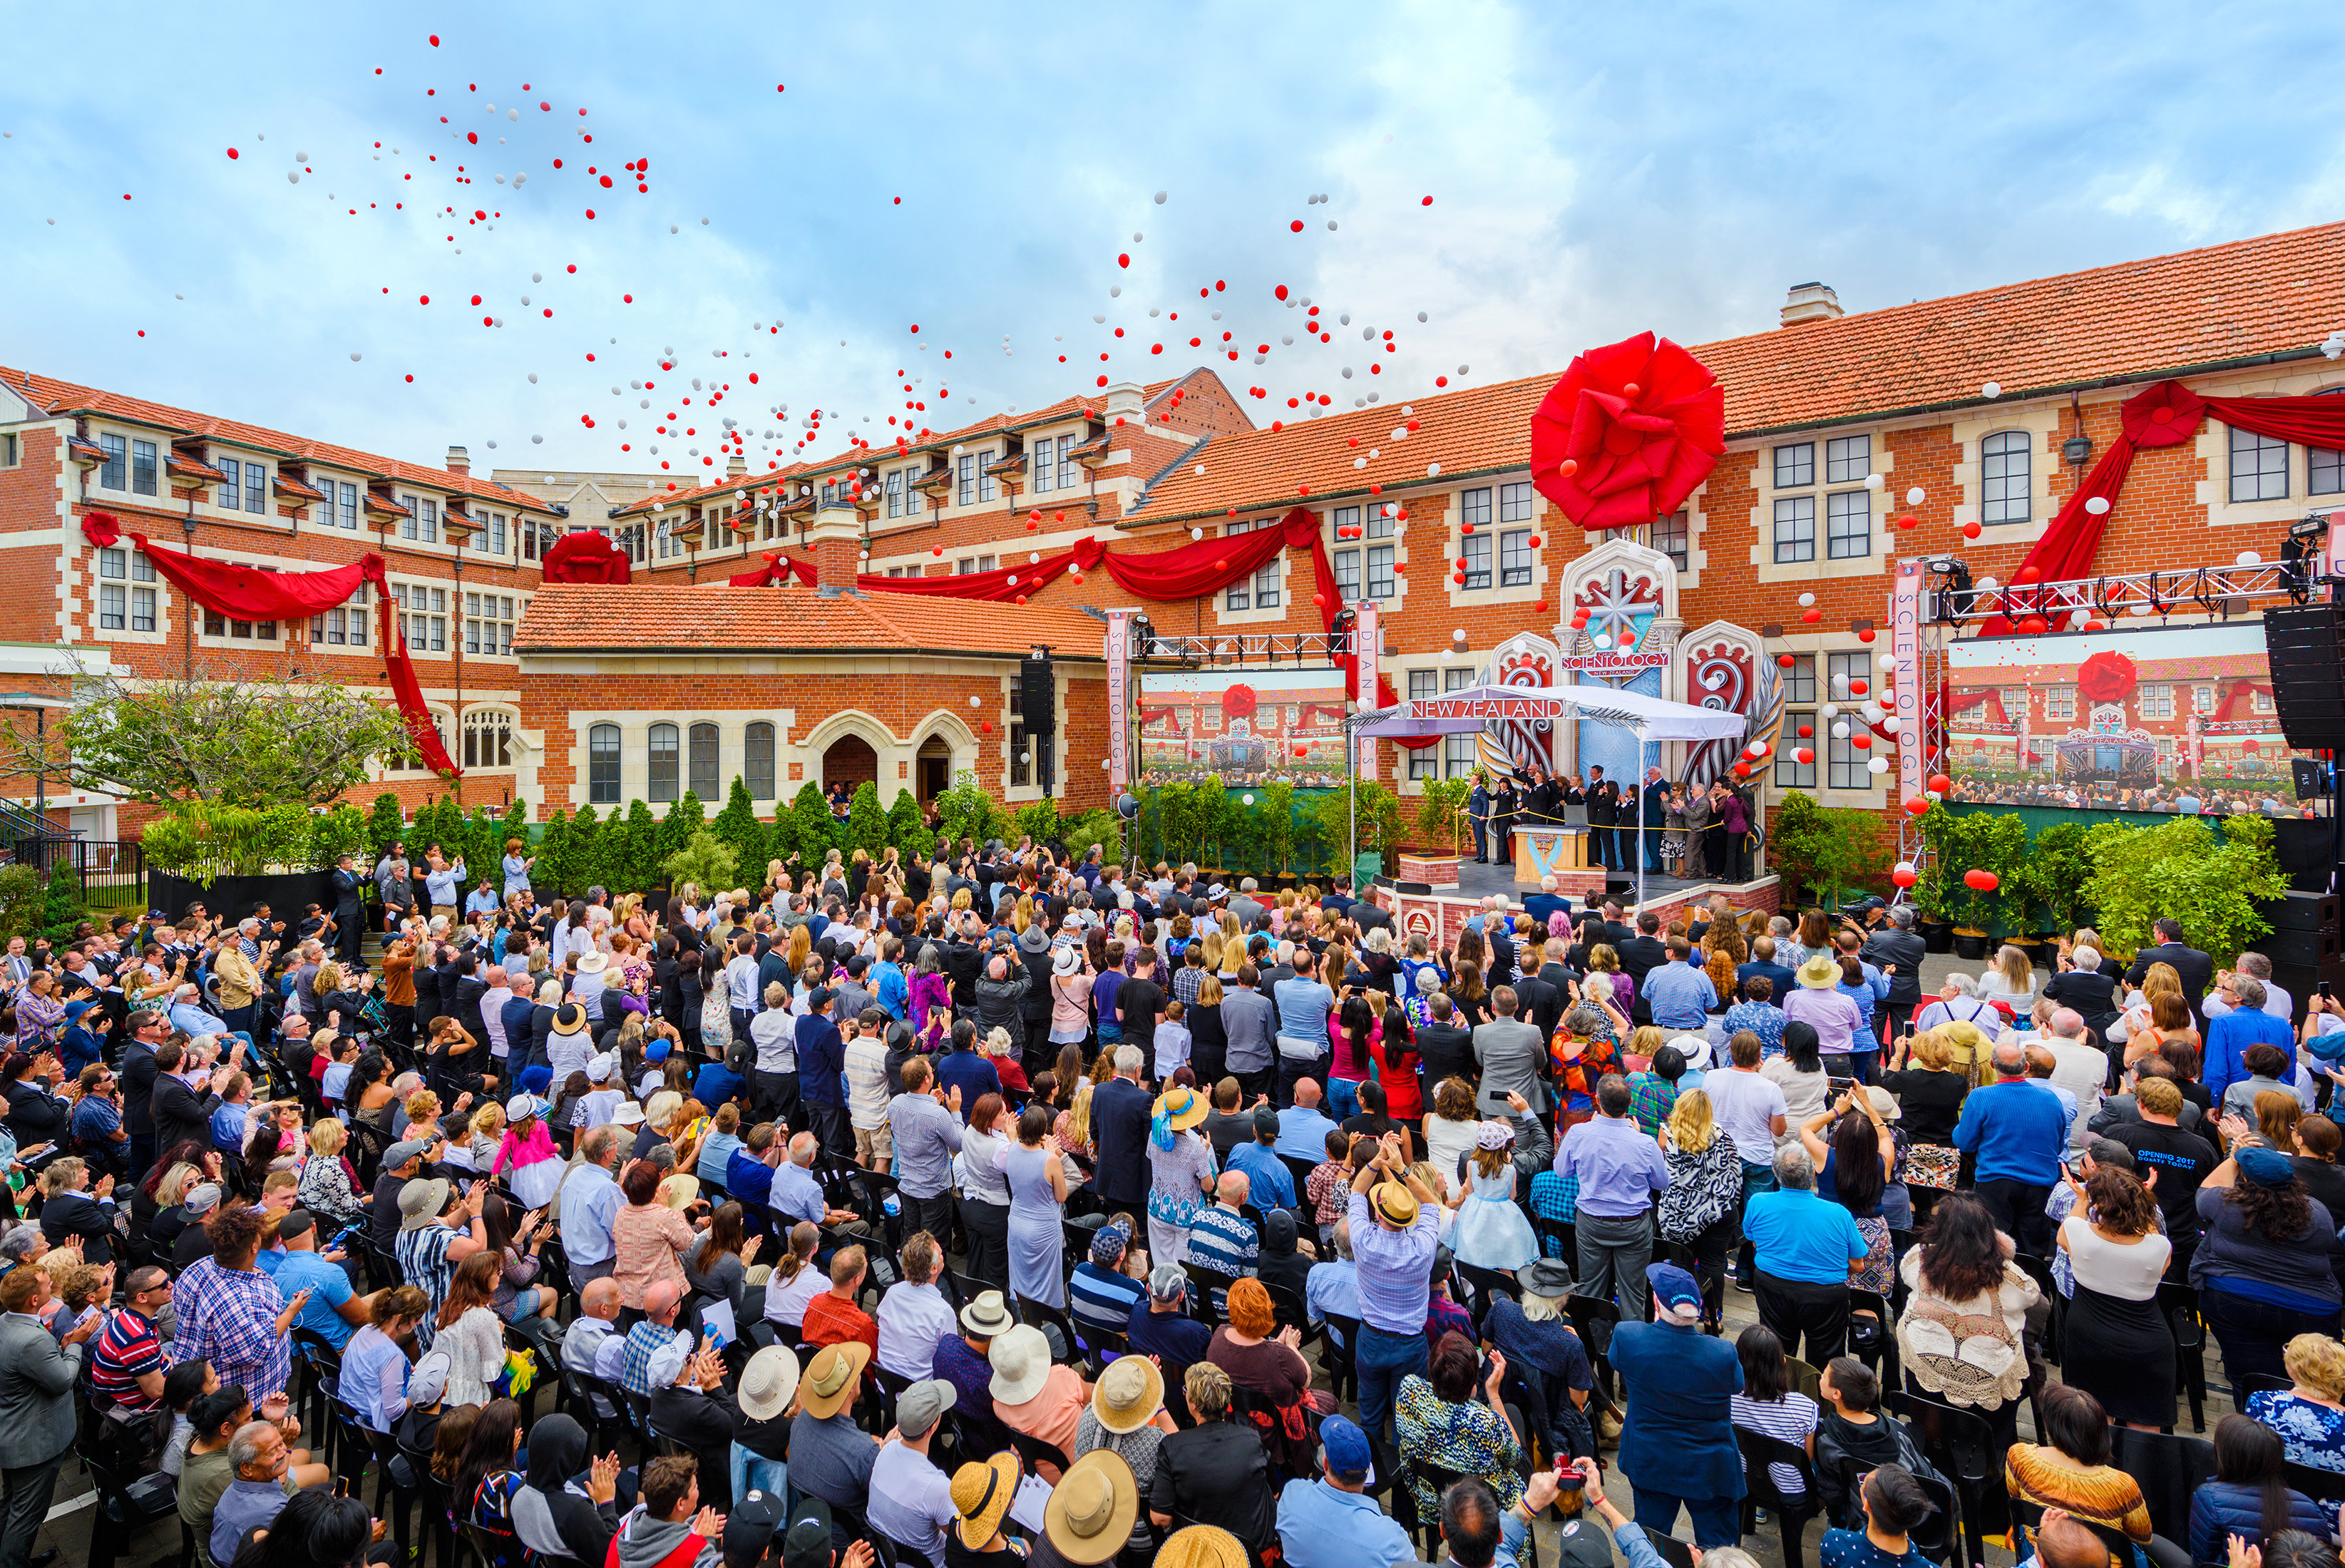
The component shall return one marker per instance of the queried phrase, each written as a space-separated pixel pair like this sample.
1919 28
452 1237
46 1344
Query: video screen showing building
1249 726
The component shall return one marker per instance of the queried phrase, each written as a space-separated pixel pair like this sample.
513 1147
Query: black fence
113 872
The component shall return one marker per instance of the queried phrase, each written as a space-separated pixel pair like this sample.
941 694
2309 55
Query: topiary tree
62 904
907 830
809 824
1274 805
737 825
514 826
866 824
704 861
556 857
386 824
683 818
585 849
634 855
483 848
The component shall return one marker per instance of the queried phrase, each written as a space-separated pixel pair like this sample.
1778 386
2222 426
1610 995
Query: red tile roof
652 617
2276 295
58 397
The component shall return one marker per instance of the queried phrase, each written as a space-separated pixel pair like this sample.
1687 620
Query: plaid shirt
1651 1098
1555 1196
645 1341
229 1316
1329 1187
1186 983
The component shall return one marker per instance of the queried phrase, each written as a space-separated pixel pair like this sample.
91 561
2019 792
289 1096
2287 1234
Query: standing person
1677 1447
1897 952
1511 1056
1697 1214
1037 1178
1620 1172
925 1129
349 913
1120 1112
37 1373
1181 1168
2193 968
2018 1130
2116 1343
1504 808
1477 817
1395 1229
2265 1264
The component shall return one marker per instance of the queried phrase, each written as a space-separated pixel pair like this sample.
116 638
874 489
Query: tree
676 829
906 830
2181 870
809 824
704 861
211 736
482 849
343 831
964 810
1437 812
737 825
1275 802
867 825
631 851
556 869
585 849
514 826
61 902
386 824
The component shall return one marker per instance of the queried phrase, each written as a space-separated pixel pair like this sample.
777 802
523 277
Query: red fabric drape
103 529
585 557
2165 415
246 595
1628 433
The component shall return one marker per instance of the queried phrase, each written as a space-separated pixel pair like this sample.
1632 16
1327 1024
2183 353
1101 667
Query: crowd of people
1018 1205
2269 797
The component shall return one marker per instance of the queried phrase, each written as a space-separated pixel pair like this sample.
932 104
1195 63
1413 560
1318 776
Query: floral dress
1470 1438
2315 1434
1178 1172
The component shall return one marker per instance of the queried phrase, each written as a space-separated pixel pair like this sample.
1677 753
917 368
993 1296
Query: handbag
1932 1166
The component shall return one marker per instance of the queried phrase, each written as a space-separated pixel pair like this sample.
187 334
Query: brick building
1696 606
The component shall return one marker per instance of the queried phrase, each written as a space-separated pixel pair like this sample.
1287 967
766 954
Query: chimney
459 462
1126 404
834 539
1811 302
737 466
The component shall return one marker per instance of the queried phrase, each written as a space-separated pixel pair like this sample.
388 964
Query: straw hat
593 963
981 1495
1021 1364
1395 1202
988 1315
1090 1516
1201 1546
1128 1394
833 1376
1181 1107
768 1382
679 1192
1821 972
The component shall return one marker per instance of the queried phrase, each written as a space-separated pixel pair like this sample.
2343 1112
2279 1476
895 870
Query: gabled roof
67 398
583 617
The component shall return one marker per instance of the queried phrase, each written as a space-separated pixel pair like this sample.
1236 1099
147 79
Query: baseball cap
1344 1447
1676 1290
1265 1120
806 1544
399 1153
921 1406
427 1383
200 1199
751 1524
295 1222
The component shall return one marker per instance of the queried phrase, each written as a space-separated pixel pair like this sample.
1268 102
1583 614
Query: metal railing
1311 648
2220 591
113 872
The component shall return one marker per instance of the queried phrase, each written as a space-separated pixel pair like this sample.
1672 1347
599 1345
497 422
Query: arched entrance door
849 760
934 766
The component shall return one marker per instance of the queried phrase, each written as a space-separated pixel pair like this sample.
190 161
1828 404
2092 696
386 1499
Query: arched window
702 780
602 764
663 762
2004 476
488 738
758 760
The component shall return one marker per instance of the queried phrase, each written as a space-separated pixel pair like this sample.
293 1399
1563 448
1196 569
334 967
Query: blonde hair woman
2310 1416
2011 978
1212 942
1696 1215
801 948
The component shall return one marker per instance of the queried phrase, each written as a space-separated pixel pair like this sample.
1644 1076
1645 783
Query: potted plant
1987 849
1933 883
1275 806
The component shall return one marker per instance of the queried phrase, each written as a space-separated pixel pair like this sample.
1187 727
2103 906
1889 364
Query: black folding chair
1343 1371
1593 1318
1489 1285
2040 1271
2325 1487
1033 1453
1558 1239
1676 1553
2028 1515
1792 1514
1043 1315
125 1504
2179 1302
1208 1294
2170 1467
1876 1346
1961 1444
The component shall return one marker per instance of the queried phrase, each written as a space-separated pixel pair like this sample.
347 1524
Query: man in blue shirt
716 1085
749 1176
1762 963
962 1068
1303 1127
1302 1003
1159 1327
796 1195
1332 1522
334 1310
2018 1129
1680 995
1677 1446
1396 1225
2228 1035
1621 1173
1269 1180
590 1202
1805 1247
889 987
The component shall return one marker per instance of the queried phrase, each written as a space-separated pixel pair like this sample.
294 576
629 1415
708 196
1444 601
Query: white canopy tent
1468 709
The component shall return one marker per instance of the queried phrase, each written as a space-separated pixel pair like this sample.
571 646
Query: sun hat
679 1191
768 1382
982 1494
1021 1360
421 1201
569 1018
1201 1546
1128 1394
921 1406
988 1315
1884 1104
522 1107
1181 1107
1694 1048
1395 1202
627 1114
833 1378
593 963
1068 961
1090 1514
1493 1134
1821 972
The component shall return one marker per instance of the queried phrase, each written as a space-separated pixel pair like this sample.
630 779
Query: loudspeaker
2301 912
2311 778
1037 688
2302 643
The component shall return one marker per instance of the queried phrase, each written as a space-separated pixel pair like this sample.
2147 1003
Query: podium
1542 850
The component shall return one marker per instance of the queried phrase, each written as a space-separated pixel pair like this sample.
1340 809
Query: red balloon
1981 882
1859 687
1861 740
1904 876
1804 756
1785 660
1807 731
1940 784
1916 806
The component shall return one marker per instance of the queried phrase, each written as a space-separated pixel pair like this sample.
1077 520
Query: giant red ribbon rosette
585 557
2106 677
1627 433
1239 701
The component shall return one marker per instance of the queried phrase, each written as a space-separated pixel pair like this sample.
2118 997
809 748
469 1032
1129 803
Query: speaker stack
2305 644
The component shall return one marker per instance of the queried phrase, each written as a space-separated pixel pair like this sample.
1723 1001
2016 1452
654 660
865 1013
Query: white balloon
1806 600
1877 766
1914 496
2097 505
1839 731
1872 712
1890 723
1245 800
1600 640
1992 389
975 702
1459 635
1984 583
1903 869
1872 482
2250 558
1888 661
1196 533
1830 710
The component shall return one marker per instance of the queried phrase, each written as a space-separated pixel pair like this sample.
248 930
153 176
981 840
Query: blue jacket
1680 1386
2018 1129
2227 1039
2220 1508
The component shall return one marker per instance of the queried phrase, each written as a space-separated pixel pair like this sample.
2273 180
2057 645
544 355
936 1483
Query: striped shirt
1098 1298
126 1349
1223 1242
1790 1419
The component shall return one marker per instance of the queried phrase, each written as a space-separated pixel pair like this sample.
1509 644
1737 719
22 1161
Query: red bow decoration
1238 701
2106 677
585 557
1627 433
103 529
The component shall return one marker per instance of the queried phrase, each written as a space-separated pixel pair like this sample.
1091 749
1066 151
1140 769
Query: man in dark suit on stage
1603 814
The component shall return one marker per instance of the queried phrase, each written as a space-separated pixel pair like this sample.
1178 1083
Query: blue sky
1595 171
